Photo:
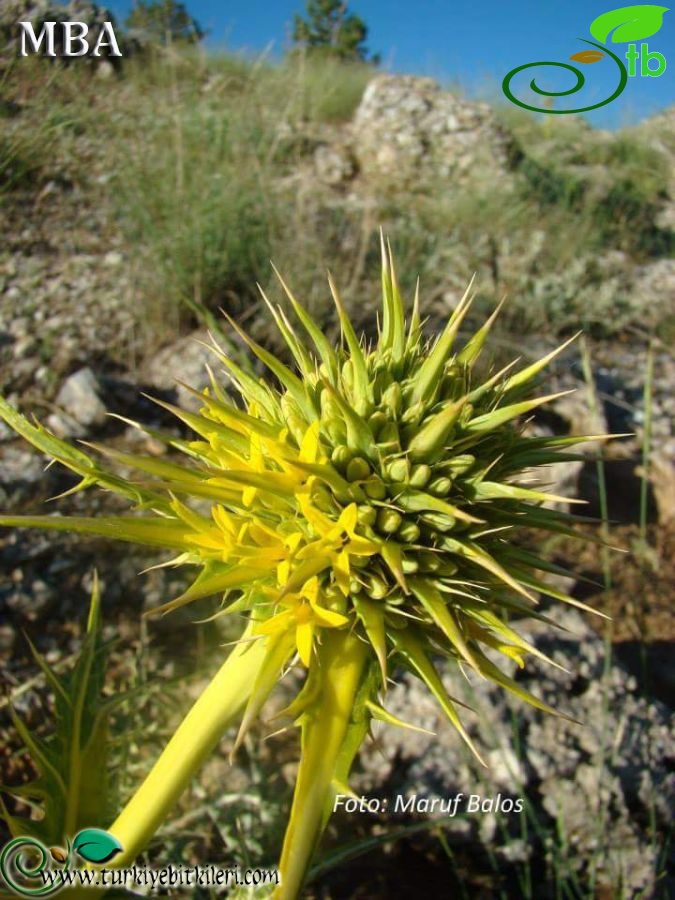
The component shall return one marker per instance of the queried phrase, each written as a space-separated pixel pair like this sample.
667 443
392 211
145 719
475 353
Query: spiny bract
361 517
376 491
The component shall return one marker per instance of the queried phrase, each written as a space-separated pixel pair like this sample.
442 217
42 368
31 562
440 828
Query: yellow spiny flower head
365 510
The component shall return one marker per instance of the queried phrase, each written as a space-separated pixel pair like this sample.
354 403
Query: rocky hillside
133 206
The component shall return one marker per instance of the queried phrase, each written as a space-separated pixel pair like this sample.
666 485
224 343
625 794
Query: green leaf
629 23
428 377
215 578
288 379
411 648
433 602
96 845
373 621
362 389
359 435
74 459
321 342
73 787
155 532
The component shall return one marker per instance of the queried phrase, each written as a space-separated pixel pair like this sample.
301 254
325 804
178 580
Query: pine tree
329 28
164 20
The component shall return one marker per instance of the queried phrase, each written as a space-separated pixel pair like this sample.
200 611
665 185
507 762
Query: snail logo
26 859
628 24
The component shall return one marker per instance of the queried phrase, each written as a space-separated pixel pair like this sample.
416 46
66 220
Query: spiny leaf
490 670
288 379
214 579
419 501
383 715
434 604
293 342
157 532
427 444
324 349
372 617
427 379
500 416
410 647
362 390
471 350
360 435
72 789
530 372
397 315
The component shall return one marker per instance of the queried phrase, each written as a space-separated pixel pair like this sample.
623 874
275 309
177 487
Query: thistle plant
360 515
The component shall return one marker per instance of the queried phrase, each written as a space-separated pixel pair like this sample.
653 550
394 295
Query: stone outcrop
408 127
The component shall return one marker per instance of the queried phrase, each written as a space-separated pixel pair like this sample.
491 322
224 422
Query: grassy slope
200 159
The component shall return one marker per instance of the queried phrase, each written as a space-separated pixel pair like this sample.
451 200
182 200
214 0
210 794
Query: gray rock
334 164
21 470
80 403
185 360
406 127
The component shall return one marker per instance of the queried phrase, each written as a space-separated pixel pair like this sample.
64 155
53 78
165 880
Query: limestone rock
334 164
186 360
80 403
407 126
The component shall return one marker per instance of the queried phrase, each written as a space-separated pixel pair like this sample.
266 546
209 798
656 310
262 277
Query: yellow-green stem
340 661
196 737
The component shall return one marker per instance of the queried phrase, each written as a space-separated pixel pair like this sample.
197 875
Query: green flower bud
388 438
357 469
466 414
355 586
381 381
292 418
388 520
439 521
348 374
336 431
375 489
367 515
398 471
341 457
439 487
376 422
413 414
335 600
329 408
376 587
420 476
409 532
459 464
429 562
446 569
392 398
409 566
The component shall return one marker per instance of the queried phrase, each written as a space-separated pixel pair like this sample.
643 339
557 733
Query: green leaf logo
96 845
630 23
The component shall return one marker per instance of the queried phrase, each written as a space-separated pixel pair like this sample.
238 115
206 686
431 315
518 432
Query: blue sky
471 43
